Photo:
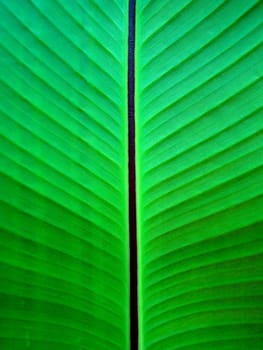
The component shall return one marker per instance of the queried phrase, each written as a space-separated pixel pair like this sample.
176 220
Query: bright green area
199 145
64 280
64 274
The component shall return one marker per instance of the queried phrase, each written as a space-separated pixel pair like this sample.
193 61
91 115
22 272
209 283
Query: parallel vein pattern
199 179
63 178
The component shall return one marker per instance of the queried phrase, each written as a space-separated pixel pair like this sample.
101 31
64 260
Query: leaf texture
64 262
199 174
63 175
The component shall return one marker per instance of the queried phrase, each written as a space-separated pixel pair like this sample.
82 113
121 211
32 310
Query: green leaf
199 160
64 230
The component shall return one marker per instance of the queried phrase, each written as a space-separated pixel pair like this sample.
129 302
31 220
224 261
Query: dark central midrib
132 182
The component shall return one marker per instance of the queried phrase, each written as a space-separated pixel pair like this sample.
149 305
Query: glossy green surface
64 261
63 181
199 159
